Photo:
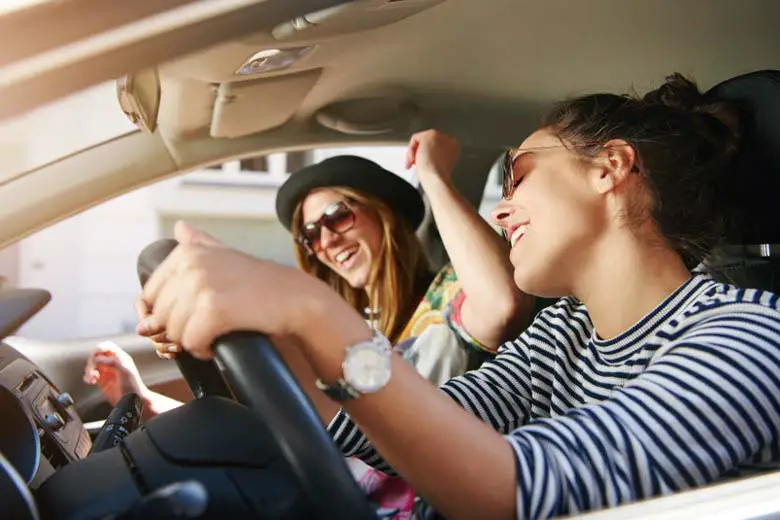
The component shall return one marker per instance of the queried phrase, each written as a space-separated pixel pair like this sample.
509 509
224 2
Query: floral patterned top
430 311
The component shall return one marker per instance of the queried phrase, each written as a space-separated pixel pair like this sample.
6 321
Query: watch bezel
382 347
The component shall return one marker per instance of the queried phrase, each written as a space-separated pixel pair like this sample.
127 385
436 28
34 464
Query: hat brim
358 174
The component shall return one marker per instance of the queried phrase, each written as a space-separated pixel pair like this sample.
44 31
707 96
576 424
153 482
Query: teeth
344 255
517 235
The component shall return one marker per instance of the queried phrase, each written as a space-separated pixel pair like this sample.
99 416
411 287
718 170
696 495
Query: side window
88 261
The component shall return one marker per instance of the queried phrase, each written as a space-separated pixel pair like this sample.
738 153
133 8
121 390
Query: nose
502 214
328 238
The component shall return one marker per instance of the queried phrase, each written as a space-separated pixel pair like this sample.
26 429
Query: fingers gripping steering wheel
261 381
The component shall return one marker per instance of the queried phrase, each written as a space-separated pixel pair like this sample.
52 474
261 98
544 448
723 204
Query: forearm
155 403
424 435
494 308
291 352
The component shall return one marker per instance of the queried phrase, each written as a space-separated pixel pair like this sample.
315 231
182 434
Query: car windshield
14 5
59 129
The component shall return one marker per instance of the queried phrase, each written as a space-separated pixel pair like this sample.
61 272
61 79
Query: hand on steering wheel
201 293
154 332
204 290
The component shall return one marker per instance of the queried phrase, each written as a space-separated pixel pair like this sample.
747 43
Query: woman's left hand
204 290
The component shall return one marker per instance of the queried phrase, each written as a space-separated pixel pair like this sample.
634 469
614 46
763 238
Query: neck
634 279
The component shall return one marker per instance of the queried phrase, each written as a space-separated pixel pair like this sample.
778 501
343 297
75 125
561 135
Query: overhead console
261 82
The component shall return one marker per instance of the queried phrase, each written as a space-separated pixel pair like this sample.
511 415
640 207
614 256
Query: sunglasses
509 182
338 218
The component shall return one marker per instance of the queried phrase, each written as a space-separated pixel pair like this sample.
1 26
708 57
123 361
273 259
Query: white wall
88 263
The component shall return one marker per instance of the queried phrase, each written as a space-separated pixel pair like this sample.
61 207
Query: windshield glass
64 127
14 5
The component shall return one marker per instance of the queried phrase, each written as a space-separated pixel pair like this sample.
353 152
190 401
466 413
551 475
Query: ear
617 161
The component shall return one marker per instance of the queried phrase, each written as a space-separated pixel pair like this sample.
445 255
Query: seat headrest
756 175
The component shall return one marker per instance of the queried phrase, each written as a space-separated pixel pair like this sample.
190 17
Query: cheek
565 219
369 233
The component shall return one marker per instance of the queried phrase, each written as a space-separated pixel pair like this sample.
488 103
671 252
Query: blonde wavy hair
398 276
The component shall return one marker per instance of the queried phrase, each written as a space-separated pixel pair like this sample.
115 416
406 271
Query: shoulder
442 288
720 300
726 316
445 275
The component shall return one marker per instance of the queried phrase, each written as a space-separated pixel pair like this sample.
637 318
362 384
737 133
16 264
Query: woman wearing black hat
354 223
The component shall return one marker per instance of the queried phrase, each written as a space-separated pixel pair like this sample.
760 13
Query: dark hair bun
717 122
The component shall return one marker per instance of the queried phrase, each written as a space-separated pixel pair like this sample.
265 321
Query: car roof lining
480 70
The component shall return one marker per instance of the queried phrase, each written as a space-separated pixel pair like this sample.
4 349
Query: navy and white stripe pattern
689 395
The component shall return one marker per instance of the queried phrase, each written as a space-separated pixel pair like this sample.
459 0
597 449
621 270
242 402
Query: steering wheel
262 382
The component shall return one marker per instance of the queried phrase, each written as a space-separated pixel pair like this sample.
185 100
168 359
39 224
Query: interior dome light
269 60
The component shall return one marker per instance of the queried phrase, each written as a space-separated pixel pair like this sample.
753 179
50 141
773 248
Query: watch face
367 368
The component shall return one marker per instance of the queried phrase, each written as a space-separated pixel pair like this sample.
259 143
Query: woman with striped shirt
644 379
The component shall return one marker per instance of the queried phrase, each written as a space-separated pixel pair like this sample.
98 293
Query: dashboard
196 460
41 430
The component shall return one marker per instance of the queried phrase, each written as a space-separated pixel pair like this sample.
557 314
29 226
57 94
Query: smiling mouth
345 256
517 234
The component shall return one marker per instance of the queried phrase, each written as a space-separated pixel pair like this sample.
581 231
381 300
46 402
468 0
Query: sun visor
248 107
756 174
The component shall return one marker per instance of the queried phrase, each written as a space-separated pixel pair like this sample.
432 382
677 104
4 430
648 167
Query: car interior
214 80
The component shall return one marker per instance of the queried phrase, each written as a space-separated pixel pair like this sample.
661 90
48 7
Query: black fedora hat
353 172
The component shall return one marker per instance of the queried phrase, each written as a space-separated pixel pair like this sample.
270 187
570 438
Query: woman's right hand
114 372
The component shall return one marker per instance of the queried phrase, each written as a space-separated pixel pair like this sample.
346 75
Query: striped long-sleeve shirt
690 394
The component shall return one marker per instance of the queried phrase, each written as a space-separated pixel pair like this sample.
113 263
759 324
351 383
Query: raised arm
494 310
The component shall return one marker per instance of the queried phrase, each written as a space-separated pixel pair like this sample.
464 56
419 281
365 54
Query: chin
537 284
356 284
357 280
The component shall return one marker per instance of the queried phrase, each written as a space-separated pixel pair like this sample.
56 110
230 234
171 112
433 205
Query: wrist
146 395
431 179
328 326
437 188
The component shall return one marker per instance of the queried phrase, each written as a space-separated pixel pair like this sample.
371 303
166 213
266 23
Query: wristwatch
366 369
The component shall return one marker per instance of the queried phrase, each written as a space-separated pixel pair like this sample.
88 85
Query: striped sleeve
498 393
707 404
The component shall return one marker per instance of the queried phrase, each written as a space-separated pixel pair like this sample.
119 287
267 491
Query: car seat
750 257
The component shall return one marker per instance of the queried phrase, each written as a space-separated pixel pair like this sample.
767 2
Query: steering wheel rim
261 381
